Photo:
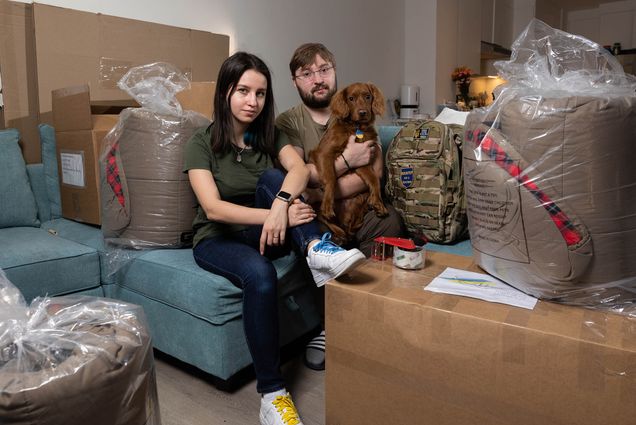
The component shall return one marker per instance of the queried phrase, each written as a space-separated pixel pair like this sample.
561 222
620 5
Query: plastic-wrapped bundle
74 361
146 199
549 173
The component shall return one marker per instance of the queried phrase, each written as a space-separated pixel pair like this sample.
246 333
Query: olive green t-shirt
236 181
301 130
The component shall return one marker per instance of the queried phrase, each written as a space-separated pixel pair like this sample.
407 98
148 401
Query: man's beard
311 101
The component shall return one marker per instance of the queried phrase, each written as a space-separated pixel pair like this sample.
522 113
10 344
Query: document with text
479 285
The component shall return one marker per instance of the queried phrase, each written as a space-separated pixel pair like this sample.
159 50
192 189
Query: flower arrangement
462 75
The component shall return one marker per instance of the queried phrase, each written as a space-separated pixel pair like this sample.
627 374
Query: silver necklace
238 151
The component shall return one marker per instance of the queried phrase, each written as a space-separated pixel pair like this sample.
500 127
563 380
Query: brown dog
354 109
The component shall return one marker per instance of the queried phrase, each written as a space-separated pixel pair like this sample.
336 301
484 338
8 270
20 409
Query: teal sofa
194 316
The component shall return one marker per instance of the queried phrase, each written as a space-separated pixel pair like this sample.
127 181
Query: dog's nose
362 113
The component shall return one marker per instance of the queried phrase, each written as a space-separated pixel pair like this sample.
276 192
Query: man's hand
300 213
360 154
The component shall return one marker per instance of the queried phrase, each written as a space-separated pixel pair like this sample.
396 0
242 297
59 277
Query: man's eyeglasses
307 75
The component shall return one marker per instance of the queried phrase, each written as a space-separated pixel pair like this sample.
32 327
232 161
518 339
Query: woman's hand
300 213
275 225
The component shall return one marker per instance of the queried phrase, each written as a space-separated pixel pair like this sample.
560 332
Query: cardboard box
20 108
109 46
81 123
80 128
40 51
397 354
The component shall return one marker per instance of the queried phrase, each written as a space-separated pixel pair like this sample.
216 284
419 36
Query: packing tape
412 259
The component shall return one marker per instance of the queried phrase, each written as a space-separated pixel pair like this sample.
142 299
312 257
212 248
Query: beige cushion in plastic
579 152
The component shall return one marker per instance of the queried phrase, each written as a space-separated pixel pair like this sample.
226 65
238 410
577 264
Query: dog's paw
380 210
328 213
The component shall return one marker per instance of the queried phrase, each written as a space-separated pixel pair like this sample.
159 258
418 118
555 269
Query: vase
464 88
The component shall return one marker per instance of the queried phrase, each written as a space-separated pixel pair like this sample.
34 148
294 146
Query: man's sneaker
327 260
315 353
279 410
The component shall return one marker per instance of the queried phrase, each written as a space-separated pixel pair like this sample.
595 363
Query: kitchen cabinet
608 24
497 21
549 11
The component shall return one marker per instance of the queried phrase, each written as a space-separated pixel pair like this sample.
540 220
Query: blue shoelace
325 245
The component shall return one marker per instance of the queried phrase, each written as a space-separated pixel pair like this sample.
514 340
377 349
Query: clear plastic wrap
549 173
146 200
74 360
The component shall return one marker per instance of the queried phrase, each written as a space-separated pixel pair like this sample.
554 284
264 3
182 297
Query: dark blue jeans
237 258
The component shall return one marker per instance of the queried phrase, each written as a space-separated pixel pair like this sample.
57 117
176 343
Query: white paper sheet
72 165
451 116
479 285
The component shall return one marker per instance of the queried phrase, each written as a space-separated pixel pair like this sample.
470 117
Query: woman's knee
260 277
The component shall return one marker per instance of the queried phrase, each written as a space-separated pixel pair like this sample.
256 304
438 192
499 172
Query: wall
420 45
446 57
367 37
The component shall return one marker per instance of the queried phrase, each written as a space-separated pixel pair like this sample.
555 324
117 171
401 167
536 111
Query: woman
249 213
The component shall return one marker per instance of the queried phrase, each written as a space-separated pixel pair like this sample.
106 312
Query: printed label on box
72 168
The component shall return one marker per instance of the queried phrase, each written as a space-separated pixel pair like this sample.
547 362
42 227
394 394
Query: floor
187 397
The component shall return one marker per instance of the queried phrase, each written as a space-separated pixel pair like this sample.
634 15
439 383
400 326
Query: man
313 70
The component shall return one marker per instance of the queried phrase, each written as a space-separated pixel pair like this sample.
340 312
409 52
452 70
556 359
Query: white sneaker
279 411
327 260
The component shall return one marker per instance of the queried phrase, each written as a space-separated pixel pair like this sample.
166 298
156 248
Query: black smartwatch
284 196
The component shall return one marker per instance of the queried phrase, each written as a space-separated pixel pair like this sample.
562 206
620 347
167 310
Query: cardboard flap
71 108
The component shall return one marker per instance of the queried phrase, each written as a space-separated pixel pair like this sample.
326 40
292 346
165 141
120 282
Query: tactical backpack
424 180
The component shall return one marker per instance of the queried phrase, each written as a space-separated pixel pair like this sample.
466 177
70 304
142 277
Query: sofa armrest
38 186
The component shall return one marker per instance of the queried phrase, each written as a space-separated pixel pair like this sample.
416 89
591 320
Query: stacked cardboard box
44 48
80 57
397 354
20 108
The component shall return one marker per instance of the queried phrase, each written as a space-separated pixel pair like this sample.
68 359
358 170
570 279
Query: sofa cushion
387 133
18 203
172 277
41 263
49 160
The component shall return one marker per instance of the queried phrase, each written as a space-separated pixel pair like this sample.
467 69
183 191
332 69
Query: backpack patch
406 177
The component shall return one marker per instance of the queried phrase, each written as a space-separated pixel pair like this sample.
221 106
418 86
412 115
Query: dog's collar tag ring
359 134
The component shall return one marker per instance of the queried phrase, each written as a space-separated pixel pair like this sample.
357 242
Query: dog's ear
339 106
378 99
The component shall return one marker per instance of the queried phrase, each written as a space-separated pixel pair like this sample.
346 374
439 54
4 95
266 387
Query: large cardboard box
19 107
81 123
109 46
397 354
43 48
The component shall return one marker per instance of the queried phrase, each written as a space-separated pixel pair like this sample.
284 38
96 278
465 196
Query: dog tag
359 134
